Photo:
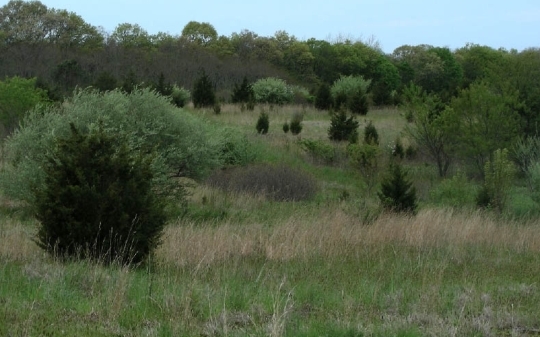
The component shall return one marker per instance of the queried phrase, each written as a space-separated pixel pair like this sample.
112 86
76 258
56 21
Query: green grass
242 265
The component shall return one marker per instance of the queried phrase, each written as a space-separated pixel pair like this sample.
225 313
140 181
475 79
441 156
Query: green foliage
358 103
397 193
499 175
365 158
319 150
296 123
534 172
242 93
68 74
184 145
202 33
342 128
346 87
131 36
203 94
323 98
235 149
429 128
524 153
263 123
105 82
301 95
386 82
17 96
180 96
457 192
273 91
480 121
371 136
98 201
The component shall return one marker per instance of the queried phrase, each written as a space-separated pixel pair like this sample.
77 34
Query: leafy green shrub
397 193
323 98
521 205
499 174
296 123
371 136
534 173
263 123
97 201
457 192
273 91
342 128
180 96
276 182
320 151
203 94
525 152
365 158
235 149
17 96
184 145
301 95
344 88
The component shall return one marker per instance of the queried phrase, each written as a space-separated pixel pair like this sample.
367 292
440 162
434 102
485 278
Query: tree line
63 51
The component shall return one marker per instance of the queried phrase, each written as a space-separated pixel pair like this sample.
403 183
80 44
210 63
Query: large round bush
184 145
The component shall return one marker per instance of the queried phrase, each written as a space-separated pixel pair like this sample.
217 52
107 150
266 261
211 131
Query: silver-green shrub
184 145
347 86
272 90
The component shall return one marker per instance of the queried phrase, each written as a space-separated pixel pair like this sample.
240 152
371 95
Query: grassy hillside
240 264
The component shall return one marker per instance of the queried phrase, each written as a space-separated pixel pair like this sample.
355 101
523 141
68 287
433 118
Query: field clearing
242 265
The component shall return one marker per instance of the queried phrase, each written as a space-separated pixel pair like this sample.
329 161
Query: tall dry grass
337 234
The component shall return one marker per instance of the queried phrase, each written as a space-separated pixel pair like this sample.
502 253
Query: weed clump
296 124
263 123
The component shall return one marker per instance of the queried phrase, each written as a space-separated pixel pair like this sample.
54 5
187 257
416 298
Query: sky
392 23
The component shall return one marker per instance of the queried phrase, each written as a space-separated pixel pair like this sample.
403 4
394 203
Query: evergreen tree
203 94
263 123
323 99
98 200
371 136
342 128
397 193
358 103
242 93
164 89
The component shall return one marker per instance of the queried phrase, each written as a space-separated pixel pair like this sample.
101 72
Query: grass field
244 265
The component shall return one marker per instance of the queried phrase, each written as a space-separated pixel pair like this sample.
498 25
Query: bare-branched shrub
276 182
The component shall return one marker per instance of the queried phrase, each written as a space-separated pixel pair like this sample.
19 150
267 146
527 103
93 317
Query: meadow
242 264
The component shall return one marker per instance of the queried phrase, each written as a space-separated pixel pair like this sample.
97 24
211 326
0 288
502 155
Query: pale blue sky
507 24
